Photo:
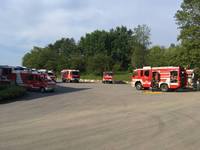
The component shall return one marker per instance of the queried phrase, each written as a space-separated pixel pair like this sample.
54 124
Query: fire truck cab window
29 77
6 71
77 73
146 73
135 73
174 76
141 73
38 78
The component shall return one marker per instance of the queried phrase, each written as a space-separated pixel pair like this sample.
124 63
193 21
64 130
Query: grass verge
10 92
119 76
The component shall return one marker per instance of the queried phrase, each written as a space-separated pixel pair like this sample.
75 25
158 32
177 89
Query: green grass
90 76
122 76
119 76
10 92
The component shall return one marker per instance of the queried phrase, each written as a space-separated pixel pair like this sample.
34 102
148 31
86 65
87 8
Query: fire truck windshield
51 74
189 76
108 74
75 73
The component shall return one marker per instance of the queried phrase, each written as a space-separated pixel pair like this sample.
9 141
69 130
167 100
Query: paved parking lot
95 116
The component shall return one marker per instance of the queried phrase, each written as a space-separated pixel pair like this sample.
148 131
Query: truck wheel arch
164 87
138 85
42 89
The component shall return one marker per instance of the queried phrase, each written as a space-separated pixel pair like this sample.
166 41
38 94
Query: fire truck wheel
164 87
42 90
138 86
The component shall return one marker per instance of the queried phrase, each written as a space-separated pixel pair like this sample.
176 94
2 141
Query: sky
28 23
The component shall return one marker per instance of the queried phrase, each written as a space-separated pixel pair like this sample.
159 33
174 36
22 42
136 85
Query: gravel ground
95 116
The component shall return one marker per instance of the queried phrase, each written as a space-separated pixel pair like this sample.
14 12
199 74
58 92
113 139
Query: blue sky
28 23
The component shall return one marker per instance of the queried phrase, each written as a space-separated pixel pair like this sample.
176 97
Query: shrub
3 86
12 92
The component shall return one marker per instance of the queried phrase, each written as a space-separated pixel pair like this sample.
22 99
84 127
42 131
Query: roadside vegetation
118 76
10 92
122 49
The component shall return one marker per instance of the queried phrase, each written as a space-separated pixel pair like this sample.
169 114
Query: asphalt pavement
95 116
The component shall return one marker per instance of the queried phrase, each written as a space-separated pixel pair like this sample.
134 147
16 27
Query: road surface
95 116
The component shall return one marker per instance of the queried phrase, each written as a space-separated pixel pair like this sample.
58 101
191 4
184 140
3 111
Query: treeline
119 49
122 49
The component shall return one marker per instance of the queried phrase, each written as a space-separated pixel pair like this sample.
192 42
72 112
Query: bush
3 86
11 92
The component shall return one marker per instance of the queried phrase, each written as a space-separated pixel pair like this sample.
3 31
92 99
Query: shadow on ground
186 90
120 82
31 95
174 90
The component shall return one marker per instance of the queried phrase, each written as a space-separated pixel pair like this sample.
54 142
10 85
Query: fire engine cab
107 77
26 78
163 78
47 74
70 75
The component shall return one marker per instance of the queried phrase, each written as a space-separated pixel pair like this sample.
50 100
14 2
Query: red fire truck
107 77
47 73
163 78
26 78
70 75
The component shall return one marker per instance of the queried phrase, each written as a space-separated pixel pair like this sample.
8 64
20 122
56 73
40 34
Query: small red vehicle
69 75
163 78
108 77
26 78
47 73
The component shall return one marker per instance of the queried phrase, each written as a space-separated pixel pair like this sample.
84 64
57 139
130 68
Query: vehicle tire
42 90
164 87
138 86
63 80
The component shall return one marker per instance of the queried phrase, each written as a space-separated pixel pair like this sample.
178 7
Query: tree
121 46
94 43
32 59
78 62
138 56
188 20
99 63
157 56
142 35
140 42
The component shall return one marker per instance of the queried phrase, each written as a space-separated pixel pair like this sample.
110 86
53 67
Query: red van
108 77
69 75
26 78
